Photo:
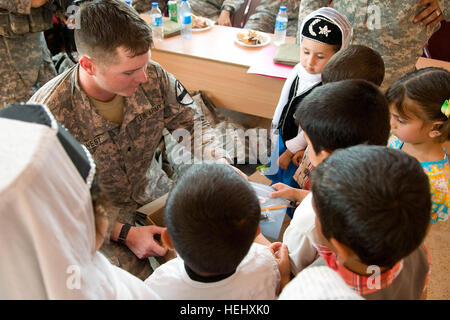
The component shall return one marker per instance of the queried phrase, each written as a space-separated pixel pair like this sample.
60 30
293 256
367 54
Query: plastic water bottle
186 20
157 25
281 26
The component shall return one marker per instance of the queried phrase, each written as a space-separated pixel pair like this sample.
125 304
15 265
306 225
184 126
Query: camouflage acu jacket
25 60
266 13
124 155
204 8
386 26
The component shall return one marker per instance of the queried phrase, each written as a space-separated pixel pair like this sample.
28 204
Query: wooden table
213 62
427 62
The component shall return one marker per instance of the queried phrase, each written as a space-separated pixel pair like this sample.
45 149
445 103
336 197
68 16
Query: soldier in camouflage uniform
154 103
266 13
387 27
217 10
26 62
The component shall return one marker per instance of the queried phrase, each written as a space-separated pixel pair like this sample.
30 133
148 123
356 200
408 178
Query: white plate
210 25
266 40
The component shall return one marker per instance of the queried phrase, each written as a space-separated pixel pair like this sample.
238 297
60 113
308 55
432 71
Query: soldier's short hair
355 62
212 215
105 25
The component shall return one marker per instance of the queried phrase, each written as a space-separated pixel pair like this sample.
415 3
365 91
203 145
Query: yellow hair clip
445 109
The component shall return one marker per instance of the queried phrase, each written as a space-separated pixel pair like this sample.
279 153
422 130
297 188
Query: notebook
287 53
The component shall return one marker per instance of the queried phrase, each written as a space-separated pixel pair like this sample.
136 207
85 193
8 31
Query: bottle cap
154 4
283 8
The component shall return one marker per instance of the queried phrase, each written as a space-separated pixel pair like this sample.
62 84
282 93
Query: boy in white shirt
212 217
334 116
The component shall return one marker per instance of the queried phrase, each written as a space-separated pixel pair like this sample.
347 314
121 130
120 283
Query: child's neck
361 268
425 152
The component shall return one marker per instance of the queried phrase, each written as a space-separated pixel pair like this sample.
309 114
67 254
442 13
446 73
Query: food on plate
250 37
199 22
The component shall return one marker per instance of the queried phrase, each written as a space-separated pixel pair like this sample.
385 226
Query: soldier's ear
87 64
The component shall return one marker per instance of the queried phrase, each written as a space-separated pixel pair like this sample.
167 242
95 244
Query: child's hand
281 254
288 193
297 158
285 159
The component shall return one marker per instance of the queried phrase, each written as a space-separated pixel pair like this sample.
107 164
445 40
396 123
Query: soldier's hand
38 3
141 241
243 175
224 19
431 15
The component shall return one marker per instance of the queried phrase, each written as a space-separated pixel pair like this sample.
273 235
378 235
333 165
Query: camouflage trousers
24 68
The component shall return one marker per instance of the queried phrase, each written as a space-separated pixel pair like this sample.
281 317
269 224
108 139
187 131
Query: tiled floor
438 245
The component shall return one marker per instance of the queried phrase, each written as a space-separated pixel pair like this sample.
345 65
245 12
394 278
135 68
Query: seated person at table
263 19
372 209
119 104
316 49
212 217
354 62
334 116
419 104
220 11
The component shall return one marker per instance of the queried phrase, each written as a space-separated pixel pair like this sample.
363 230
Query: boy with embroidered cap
324 33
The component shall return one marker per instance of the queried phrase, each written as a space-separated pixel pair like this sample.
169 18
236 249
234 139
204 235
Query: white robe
47 236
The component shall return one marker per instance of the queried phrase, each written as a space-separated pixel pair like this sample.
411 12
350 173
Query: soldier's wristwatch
123 233
229 9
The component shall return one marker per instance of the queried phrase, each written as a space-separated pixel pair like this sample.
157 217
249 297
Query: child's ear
166 239
322 155
342 251
434 133
258 231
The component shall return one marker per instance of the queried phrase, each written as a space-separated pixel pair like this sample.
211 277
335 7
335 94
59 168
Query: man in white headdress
49 237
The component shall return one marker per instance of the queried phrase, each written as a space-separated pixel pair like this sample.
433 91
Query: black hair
343 114
374 200
429 88
212 215
355 62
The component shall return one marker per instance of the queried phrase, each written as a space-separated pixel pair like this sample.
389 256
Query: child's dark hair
355 62
212 215
343 114
374 200
429 88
